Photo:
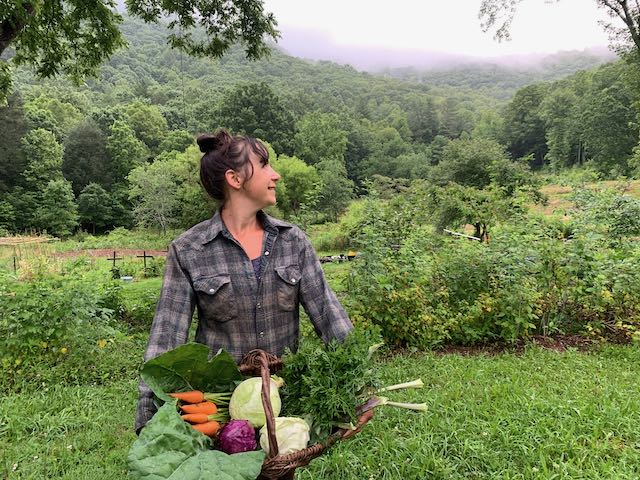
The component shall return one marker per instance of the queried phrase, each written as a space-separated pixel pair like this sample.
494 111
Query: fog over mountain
315 45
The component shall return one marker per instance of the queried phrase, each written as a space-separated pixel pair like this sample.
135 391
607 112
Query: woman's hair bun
208 142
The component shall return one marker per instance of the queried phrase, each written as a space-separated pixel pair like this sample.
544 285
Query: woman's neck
240 221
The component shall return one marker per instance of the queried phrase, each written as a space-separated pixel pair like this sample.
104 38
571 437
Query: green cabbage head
246 400
292 434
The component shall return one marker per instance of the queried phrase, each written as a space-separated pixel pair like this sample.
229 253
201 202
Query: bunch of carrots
204 411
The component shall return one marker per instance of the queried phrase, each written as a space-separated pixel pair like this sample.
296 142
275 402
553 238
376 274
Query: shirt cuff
146 410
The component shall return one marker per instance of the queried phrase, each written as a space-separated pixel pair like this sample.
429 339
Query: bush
533 277
41 320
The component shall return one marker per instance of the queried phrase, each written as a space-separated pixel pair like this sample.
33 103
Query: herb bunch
328 381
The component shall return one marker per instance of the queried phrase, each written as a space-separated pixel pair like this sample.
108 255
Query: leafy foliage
328 381
169 447
424 290
42 319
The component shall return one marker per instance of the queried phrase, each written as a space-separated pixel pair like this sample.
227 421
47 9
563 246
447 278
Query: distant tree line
119 150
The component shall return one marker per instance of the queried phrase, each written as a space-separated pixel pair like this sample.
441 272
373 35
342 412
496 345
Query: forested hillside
99 155
501 78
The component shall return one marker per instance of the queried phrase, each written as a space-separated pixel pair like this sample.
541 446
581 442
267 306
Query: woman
246 272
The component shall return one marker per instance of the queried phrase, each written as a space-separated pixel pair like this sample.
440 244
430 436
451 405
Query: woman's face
260 188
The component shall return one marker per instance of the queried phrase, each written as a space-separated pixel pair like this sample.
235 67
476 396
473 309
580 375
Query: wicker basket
259 362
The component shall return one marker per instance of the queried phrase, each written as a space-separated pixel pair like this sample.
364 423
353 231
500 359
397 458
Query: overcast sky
445 26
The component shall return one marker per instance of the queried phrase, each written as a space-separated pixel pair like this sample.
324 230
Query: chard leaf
188 367
214 464
170 449
164 444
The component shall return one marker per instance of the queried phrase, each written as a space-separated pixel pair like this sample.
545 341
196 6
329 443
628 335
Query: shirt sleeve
170 326
327 315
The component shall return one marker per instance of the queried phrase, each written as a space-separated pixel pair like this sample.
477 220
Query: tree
604 123
152 189
61 115
454 205
74 36
254 109
337 189
467 161
524 128
177 140
387 145
558 110
86 159
299 184
126 151
320 137
500 14
422 117
44 159
95 207
148 124
57 212
14 127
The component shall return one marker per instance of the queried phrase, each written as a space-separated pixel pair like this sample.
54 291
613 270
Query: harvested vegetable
329 381
203 407
237 436
169 447
246 401
210 429
196 396
292 435
376 401
418 383
203 417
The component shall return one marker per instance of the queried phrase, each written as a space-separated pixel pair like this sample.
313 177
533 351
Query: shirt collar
217 226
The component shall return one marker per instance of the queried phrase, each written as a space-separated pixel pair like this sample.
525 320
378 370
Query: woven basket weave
259 362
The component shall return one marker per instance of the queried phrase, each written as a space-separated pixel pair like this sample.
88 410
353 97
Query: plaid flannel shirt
207 269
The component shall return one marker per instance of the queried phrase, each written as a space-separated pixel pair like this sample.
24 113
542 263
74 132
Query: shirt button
259 305
293 280
266 254
262 334
211 290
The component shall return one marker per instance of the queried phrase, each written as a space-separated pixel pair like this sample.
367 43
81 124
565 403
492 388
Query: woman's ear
233 179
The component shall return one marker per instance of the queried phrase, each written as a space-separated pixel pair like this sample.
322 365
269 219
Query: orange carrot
202 407
210 429
219 416
195 396
195 417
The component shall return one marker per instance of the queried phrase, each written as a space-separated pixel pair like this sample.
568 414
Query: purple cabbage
237 436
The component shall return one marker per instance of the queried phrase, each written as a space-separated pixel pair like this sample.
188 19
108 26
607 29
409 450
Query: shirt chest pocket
287 287
216 298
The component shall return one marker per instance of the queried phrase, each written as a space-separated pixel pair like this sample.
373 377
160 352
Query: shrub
41 320
534 276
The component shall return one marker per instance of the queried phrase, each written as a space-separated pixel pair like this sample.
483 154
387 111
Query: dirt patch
560 343
108 252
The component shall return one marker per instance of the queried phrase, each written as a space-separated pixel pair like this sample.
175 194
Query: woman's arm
320 302
170 326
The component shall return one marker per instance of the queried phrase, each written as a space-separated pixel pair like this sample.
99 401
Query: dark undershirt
256 267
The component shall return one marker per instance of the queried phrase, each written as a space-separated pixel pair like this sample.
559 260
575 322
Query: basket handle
266 403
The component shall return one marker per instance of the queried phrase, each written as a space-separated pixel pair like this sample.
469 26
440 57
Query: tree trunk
12 26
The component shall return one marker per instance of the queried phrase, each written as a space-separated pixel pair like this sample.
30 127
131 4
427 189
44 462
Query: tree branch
622 10
11 28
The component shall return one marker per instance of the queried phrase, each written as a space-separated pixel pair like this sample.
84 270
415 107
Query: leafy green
327 381
169 448
187 368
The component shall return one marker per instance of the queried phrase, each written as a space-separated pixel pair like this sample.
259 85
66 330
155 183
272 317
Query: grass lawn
542 415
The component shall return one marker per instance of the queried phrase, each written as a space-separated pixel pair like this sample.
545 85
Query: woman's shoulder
196 236
285 229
